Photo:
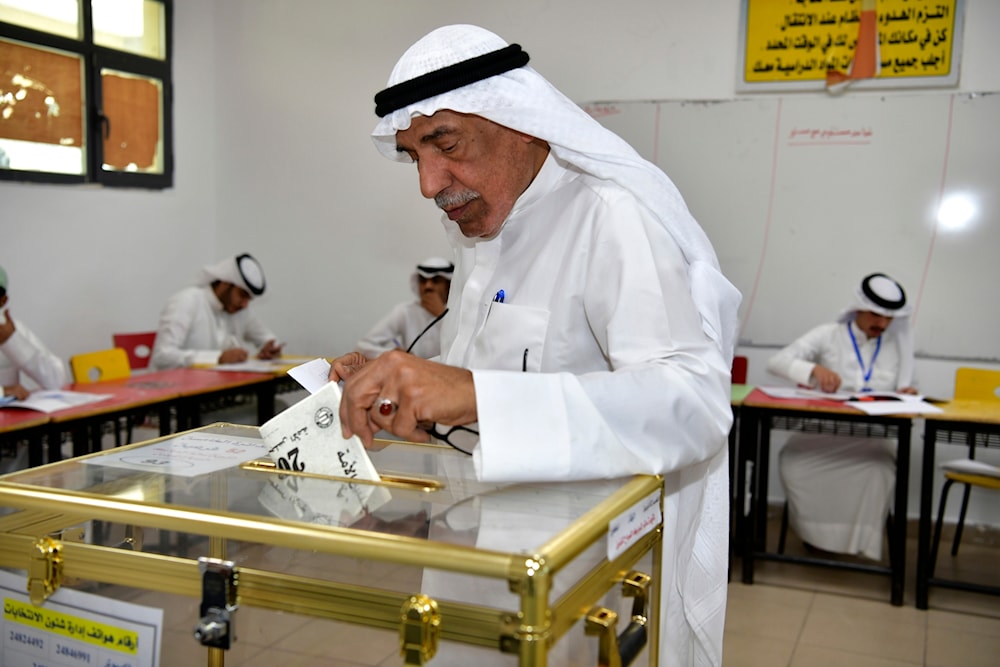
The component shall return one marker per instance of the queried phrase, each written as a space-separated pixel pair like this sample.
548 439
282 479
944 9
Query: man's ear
3 301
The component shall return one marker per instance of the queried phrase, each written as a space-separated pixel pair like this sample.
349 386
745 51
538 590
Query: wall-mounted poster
830 44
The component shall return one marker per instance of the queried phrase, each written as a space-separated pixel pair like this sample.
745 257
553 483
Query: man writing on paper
590 331
211 322
415 325
868 348
22 352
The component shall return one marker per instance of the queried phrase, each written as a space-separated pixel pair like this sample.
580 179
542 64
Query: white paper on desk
906 406
57 399
253 366
307 438
802 392
312 375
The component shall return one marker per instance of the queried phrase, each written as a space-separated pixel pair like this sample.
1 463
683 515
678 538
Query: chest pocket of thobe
508 332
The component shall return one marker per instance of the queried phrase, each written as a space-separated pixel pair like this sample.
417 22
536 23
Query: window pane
41 109
59 17
135 26
133 139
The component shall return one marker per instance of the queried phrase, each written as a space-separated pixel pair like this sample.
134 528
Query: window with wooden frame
86 92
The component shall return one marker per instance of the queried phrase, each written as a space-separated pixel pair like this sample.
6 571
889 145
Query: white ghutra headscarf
521 99
880 294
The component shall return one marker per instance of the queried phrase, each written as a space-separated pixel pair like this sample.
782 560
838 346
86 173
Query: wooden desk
967 419
180 390
126 397
737 393
759 414
194 385
24 424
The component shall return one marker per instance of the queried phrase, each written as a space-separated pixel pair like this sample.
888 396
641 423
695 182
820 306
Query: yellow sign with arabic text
72 627
800 41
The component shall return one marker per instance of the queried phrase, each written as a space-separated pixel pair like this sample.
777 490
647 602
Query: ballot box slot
388 479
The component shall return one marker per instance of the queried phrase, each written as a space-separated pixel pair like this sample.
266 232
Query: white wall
273 106
85 261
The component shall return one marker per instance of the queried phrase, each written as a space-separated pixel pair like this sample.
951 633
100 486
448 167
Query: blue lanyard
861 362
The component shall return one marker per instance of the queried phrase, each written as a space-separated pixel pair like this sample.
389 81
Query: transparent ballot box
196 549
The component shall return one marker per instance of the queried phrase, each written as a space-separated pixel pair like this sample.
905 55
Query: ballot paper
298 498
312 375
307 438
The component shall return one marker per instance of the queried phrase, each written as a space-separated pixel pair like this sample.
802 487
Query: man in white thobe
26 364
839 488
211 322
590 331
414 326
22 353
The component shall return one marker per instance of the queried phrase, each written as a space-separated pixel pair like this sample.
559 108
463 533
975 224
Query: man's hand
7 327
826 379
432 302
270 350
233 355
17 391
908 390
347 365
420 392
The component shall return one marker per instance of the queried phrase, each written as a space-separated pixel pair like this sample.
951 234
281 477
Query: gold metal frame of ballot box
557 576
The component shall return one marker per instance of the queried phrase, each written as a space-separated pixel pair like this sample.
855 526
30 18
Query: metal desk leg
756 537
36 455
897 538
53 444
165 417
746 446
926 498
265 400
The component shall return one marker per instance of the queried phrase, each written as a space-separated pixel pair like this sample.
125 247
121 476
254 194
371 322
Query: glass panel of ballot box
196 548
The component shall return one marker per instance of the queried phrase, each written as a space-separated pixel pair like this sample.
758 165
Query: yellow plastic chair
971 384
111 364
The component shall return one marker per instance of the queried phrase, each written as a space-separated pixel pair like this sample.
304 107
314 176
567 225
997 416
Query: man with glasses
415 325
590 331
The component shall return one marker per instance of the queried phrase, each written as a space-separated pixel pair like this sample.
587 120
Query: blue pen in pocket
499 296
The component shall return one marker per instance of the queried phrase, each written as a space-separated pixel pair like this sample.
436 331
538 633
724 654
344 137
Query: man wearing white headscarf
590 331
211 323
839 488
414 326
23 354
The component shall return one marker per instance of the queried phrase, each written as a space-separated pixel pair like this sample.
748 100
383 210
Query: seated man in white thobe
840 488
590 332
26 364
414 326
211 322
24 355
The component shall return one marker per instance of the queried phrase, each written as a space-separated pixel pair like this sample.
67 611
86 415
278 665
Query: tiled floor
805 616
792 616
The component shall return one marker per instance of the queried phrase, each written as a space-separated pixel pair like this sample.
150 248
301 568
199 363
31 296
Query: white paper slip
313 500
627 528
890 407
252 366
307 438
312 375
802 392
57 399
185 454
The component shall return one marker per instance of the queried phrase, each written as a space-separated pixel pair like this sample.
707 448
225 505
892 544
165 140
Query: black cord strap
449 78
426 328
